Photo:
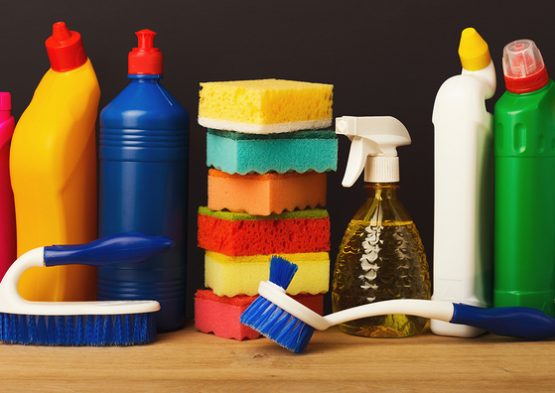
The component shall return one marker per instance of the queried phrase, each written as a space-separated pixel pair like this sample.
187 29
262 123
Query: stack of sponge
268 150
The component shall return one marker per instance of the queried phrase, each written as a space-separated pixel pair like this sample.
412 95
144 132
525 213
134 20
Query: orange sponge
220 315
265 194
238 234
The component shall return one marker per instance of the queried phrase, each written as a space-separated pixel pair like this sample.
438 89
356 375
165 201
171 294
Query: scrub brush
80 323
290 324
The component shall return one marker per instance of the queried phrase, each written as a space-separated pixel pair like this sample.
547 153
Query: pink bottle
7 212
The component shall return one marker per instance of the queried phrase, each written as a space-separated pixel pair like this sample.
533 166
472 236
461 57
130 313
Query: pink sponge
220 314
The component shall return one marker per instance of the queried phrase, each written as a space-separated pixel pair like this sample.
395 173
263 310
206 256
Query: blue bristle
22 333
274 322
98 330
68 327
277 324
107 332
32 327
51 329
137 326
59 328
117 327
282 271
78 330
41 328
125 325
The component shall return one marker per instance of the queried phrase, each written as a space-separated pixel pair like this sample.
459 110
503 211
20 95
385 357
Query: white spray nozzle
372 136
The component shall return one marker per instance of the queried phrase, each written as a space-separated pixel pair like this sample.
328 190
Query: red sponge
240 234
220 315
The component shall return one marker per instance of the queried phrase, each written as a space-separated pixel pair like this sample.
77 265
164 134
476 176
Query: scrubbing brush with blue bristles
290 324
80 323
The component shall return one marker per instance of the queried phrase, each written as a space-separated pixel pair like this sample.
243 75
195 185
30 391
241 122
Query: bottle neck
382 191
145 78
383 205
487 78
5 115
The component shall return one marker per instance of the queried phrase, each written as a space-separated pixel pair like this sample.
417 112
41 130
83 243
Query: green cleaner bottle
381 256
524 121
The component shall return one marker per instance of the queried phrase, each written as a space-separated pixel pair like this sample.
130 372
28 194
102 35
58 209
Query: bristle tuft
277 324
282 271
78 330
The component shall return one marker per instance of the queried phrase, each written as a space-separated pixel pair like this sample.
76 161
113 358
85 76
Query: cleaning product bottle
53 169
7 213
463 208
143 150
524 135
381 256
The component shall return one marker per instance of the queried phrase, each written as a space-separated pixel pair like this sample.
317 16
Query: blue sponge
301 151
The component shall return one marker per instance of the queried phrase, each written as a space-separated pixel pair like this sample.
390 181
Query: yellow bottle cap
473 50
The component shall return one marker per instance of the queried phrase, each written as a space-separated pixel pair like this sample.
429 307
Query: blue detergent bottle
143 152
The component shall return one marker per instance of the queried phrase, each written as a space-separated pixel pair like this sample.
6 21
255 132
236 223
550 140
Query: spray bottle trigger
372 136
359 151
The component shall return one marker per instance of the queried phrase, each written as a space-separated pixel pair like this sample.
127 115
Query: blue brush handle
123 248
521 322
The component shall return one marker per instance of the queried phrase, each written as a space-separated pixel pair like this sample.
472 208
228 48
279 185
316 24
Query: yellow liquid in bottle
381 258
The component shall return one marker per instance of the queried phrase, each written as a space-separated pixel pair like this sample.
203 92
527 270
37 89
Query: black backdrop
384 58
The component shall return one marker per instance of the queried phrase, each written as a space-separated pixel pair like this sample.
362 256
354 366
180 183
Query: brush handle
432 309
521 322
123 248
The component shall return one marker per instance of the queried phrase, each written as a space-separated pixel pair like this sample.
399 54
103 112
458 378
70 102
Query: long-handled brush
80 323
290 324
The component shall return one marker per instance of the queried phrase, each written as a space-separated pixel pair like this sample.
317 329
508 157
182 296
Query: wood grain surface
188 361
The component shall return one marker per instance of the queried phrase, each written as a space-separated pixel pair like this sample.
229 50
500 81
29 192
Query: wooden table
188 361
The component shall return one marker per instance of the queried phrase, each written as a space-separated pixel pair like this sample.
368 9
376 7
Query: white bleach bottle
463 184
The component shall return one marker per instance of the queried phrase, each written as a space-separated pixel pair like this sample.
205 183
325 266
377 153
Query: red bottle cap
65 48
523 67
145 59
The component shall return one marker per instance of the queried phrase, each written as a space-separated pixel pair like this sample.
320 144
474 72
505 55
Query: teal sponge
301 151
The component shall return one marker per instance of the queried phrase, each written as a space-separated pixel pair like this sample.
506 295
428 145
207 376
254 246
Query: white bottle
463 192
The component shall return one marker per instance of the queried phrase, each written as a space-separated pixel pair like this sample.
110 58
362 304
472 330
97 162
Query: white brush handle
431 309
12 303
8 287
440 310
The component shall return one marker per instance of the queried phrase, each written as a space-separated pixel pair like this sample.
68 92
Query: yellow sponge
265 106
232 276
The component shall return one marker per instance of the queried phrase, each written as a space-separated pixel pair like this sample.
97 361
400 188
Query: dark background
384 58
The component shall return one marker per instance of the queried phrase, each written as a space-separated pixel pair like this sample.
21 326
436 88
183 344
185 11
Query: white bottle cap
381 170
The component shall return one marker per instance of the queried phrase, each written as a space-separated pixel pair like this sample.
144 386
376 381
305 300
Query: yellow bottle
381 256
53 169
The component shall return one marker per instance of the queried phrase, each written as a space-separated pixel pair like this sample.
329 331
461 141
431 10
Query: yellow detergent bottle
53 169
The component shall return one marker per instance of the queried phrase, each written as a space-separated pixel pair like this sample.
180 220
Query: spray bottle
7 213
381 256
463 208
524 135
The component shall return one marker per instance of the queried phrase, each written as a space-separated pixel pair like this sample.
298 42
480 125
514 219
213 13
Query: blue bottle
143 152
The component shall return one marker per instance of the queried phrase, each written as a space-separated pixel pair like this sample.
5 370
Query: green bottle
524 133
